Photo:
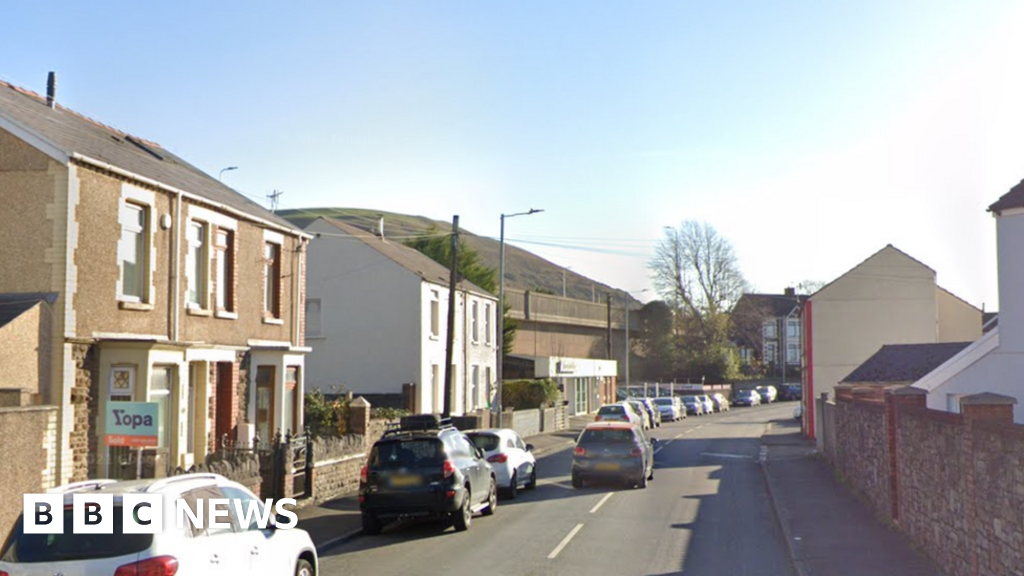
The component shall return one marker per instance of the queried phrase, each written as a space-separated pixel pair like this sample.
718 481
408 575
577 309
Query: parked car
613 451
512 459
709 404
798 412
721 402
768 394
670 409
425 468
693 405
240 548
791 392
645 418
622 412
746 397
652 410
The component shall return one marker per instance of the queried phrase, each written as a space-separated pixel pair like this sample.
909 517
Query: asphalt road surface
706 512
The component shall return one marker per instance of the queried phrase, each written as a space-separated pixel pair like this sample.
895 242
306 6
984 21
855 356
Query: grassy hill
523 269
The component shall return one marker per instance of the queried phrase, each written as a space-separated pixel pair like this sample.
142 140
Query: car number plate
405 480
607 466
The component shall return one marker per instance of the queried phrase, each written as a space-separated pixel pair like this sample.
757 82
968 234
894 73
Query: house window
435 313
792 354
195 266
160 392
770 353
474 388
435 386
792 328
487 324
314 321
475 320
225 245
134 263
271 280
292 402
744 354
769 328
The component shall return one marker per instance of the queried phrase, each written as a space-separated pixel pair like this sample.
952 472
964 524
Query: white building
376 318
995 362
586 383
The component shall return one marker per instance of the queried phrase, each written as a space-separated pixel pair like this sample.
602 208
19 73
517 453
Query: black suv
425 467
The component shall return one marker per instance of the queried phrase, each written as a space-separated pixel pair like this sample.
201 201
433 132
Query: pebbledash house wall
28 453
953 483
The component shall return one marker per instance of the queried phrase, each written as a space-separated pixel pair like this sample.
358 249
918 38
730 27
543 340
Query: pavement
337 521
829 531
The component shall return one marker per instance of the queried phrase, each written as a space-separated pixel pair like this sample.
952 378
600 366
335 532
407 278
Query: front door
225 394
265 378
581 395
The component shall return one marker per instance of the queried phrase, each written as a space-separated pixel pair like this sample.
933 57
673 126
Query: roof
862 262
1012 199
72 133
773 305
904 362
989 320
409 258
15 304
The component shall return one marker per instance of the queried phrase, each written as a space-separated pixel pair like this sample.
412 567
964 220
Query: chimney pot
51 90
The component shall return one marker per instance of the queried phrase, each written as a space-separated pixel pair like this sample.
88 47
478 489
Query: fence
952 482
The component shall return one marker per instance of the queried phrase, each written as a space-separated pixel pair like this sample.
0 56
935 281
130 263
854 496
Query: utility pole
627 351
449 352
274 197
609 297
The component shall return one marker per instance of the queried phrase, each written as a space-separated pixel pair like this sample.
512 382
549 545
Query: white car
236 549
512 459
621 412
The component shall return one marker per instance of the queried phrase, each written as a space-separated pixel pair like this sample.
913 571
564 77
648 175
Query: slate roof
989 320
1012 199
406 257
14 304
73 133
904 362
773 305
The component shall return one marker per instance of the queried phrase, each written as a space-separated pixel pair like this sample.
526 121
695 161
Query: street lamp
220 176
500 326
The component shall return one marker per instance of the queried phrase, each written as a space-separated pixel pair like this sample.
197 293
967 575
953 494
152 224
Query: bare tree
696 267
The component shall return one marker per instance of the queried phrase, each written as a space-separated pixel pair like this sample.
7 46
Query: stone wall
861 451
84 405
29 456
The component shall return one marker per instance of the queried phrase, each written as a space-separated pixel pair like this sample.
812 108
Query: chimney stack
790 291
51 90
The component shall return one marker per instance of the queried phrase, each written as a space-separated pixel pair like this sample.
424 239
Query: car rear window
689 398
606 436
485 442
407 453
663 401
22 548
615 409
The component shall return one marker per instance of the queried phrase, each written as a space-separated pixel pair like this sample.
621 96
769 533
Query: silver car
669 409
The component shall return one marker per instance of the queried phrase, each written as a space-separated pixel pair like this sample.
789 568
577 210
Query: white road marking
719 455
599 504
564 542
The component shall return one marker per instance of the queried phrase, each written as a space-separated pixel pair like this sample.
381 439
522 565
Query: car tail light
635 452
158 566
598 418
449 468
498 458
579 451
2 573
364 474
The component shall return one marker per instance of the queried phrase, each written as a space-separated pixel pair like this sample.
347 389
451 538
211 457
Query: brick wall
84 408
954 484
29 456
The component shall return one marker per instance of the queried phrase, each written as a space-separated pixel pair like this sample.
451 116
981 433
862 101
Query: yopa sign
131 424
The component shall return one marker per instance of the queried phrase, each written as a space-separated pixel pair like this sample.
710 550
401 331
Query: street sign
132 424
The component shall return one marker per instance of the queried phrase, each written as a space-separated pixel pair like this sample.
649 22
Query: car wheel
577 482
651 475
492 498
371 524
532 483
513 487
303 568
463 517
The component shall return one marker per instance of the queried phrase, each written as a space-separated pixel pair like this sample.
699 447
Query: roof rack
419 423
181 478
81 486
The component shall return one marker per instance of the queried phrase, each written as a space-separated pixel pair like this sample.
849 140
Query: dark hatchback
613 451
425 468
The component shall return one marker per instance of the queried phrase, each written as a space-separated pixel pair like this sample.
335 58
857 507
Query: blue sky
809 133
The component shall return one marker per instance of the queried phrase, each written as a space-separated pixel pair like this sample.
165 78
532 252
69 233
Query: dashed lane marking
601 503
564 542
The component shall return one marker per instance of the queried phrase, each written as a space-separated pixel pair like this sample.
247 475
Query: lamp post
500 325
220 176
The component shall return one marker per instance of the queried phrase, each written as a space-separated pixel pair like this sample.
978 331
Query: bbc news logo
144 513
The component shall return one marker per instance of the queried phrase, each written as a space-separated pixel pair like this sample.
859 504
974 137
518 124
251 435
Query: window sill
274 321
137 306
227 315
197 312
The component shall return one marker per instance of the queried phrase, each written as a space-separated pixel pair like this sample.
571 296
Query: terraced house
157 284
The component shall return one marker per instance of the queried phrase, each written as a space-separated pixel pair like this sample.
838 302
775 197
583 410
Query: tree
655 341
436 245
697 271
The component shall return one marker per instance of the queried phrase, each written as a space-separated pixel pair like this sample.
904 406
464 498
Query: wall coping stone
906 391
9 409
988 399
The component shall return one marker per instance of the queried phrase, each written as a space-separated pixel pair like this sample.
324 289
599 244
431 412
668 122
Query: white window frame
474 321
271 316
225 261
792 328
772 356
203 283
435 314
474 391
770 328
216 223
145 200
488 338
792 353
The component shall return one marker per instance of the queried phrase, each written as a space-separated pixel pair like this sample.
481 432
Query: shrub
524 394
325 417
385 413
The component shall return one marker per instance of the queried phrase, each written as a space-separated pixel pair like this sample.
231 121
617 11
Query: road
706 512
